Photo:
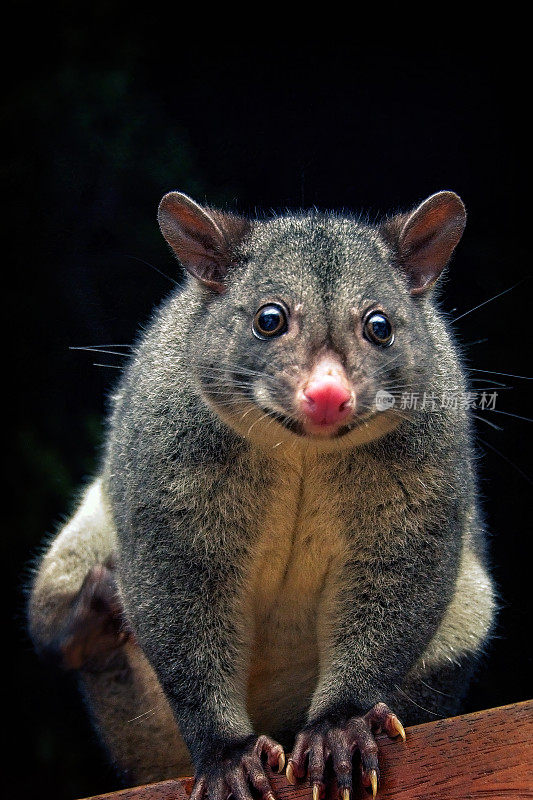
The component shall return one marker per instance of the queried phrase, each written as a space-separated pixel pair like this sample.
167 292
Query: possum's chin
370 426
328 431
271 427
309 429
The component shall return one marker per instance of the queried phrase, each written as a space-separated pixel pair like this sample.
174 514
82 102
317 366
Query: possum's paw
338 741
240 770
94 627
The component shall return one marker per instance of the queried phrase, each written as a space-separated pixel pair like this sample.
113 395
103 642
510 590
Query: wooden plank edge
485 754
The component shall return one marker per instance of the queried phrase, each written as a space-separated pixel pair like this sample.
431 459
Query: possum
283 550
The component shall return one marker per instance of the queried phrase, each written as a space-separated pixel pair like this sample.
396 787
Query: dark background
104 114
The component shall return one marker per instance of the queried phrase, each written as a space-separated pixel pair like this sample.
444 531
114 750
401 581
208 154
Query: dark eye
270 320
378 329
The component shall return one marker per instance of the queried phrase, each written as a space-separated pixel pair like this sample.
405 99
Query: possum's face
309 334
315 332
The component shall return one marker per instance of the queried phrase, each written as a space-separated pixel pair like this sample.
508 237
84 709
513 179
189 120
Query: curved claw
373 782
336 741
240 772
397 728
289 774
281 762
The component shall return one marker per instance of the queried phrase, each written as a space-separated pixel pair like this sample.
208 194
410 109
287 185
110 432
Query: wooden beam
486 755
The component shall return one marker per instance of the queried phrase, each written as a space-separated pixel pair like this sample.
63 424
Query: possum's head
312 325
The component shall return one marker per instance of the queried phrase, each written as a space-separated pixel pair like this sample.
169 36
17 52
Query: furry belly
281 680
298 552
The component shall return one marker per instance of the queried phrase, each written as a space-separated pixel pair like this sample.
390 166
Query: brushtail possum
280 552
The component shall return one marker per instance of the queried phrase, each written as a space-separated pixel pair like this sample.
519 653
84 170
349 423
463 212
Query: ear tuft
426 238
203 240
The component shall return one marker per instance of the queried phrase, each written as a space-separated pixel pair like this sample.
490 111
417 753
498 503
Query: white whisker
484 303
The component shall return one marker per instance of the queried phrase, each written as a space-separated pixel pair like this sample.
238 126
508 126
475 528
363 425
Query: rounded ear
426 238
203 240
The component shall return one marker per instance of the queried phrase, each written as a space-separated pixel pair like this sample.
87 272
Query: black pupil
380 327
270 320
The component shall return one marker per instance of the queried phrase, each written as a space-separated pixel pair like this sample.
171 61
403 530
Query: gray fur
401 603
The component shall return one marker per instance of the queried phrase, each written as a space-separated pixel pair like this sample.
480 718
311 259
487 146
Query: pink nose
326 401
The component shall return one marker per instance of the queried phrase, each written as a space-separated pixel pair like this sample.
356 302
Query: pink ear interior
202 240
427 237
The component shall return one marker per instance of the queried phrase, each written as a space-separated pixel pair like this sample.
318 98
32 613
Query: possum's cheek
262 396
275 399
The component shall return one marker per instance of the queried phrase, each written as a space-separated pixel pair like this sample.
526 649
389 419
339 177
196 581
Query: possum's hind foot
94 628
239 770
339 741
